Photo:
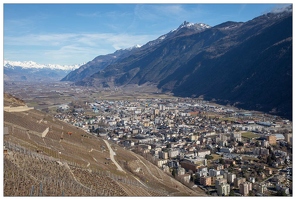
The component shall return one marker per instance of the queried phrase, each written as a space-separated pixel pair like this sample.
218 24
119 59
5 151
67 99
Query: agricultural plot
249 135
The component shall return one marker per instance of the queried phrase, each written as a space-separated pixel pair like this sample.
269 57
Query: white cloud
165 11
69 47
156 12
169 10
20 23
85 39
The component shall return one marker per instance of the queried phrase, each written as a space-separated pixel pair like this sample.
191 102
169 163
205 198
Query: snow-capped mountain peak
31 64
194 26
185 24
197 26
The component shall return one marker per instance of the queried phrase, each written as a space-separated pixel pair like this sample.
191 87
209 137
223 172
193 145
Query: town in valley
224 150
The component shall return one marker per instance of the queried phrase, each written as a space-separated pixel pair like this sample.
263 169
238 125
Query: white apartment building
223 189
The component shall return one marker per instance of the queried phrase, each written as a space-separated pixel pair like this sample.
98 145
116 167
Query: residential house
205 180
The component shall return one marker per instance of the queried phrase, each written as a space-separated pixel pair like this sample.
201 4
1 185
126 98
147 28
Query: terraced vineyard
77 164
23 120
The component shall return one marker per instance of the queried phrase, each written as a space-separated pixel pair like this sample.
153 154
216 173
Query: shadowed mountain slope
244 64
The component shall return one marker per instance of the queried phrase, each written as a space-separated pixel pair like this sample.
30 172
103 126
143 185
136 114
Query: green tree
257 143
231 193
174 173
281 193
273 157
193 178
251 193
269 160
259 170
240 143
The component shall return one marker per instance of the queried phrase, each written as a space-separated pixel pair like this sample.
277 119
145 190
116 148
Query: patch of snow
31 64
133 47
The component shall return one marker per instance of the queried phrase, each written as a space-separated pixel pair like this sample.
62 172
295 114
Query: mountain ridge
100 62
227 62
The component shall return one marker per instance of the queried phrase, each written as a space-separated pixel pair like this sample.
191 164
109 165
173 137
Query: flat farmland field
249 135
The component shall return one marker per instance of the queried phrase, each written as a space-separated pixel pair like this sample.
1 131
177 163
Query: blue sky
69 34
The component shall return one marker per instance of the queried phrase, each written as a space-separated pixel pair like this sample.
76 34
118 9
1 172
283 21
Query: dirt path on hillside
159 179
112 153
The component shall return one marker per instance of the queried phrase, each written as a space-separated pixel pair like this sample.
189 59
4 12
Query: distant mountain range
32 71
247 64
97 64
101 62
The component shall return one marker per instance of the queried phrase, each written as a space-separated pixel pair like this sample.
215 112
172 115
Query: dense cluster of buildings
223 150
